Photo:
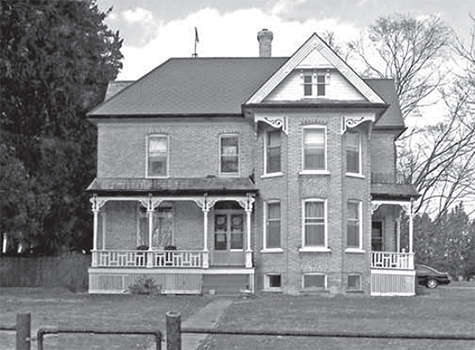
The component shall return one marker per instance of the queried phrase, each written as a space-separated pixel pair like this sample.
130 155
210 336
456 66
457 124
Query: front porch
392 274
177 238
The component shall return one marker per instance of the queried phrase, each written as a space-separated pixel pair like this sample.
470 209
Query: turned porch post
205 204
96 207
247 205
411 229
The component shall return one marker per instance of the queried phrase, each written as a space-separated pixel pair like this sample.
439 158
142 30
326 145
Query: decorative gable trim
314 43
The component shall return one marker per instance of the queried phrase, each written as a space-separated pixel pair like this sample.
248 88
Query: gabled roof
192 86
315 43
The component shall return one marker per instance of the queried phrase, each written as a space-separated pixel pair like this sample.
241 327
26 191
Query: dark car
430 277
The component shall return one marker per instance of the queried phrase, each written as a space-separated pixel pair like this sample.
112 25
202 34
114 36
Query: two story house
265 174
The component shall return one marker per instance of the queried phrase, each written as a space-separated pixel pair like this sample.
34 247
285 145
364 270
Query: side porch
392 257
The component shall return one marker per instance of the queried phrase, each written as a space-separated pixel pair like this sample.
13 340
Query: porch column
398 235
411 233
96 207
205 204
150 204
247 205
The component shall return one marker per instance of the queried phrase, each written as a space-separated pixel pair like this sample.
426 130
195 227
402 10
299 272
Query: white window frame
324 248
267 286
147 156
266 148
360 157
358 249
225 174
314 288
314 84
323 171
265 249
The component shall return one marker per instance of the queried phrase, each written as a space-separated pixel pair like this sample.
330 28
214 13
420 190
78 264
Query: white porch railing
392 260
150 258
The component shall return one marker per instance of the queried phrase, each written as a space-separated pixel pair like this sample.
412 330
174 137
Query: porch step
224 284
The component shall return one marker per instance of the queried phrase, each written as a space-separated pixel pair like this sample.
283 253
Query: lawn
446 310
53 307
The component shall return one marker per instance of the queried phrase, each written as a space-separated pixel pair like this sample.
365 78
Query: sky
156 30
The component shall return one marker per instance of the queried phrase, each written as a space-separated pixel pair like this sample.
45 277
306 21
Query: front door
377 236
228 238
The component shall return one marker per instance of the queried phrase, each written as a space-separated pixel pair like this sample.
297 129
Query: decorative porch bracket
97 204
247 205
275 122
354 121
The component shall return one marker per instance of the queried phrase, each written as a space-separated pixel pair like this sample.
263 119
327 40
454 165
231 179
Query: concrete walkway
207 317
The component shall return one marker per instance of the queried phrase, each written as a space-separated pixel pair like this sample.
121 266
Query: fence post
173 330
23 331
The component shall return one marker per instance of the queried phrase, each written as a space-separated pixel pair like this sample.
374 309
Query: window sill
266 176
272 290
354 250
355 175
315 172
354 291
272 250
314 250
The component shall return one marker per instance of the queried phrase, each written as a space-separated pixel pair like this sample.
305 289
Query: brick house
265 174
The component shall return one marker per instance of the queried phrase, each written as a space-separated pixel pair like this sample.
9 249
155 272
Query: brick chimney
265 43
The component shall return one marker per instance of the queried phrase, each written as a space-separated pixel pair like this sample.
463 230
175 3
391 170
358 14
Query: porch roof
175 186
386 191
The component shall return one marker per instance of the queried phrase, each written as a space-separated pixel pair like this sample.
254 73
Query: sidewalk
207 317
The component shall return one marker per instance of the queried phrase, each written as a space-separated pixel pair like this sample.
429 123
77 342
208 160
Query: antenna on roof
197 40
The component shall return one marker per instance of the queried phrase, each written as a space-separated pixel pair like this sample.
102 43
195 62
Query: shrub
145 285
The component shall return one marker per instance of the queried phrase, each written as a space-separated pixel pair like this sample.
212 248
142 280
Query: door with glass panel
228 238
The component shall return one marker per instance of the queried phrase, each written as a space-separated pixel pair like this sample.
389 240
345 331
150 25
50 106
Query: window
307 85
353 227
377 236
272 229
353 164
157 156
314 224
229 155
316 281
317 79
354 282
273 152
321 82
273 281
314 148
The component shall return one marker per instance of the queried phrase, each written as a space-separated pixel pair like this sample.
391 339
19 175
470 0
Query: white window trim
221 174
358 249
267 286
168 156
265 249
359 174
315 171
266 139
314 73
314 274
324 248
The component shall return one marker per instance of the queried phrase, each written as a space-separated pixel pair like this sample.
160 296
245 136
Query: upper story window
272 228
353 153
353 225
314 222
314 148
272 152
229 155
157 156
314 84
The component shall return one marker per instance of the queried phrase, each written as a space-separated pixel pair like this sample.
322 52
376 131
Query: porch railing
150 258
392 260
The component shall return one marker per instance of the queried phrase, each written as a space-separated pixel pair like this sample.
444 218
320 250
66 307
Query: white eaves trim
314 43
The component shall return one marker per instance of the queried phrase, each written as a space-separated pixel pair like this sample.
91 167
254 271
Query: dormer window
314 83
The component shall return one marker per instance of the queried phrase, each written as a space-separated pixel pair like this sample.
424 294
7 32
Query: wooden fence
55 271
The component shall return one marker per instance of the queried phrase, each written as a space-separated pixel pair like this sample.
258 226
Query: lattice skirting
393 283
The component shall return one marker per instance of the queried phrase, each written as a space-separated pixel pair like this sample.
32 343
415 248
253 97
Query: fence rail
150 258
392 260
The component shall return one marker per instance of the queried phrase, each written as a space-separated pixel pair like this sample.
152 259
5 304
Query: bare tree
407 49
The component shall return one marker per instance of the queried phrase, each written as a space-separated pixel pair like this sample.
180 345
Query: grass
54 307
446 310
